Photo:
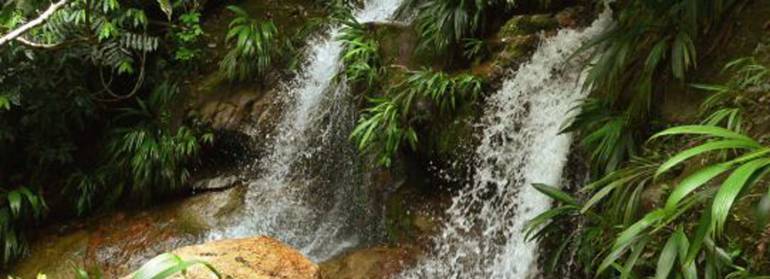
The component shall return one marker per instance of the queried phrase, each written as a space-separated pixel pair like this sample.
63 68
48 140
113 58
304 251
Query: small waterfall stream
521 145
309 190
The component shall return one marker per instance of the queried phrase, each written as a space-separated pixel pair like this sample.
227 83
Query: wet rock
124 243
412 210
120 242
572 17
510 51
217 183
527 24
371 263
397 44
54 255
259 257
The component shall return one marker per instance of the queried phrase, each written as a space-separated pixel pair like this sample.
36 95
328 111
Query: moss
398 219
452 135
398 44
527 24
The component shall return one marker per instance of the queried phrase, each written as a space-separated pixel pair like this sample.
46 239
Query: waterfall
310 188
521 145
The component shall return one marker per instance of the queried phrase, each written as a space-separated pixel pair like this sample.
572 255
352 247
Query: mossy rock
514 51
527 24
450 141
451 138
412 207
398 44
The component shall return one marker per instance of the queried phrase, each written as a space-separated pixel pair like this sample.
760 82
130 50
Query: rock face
259 257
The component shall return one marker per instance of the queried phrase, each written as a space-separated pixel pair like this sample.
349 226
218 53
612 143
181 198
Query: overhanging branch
32 23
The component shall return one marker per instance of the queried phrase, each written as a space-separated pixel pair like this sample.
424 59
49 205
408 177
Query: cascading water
521 145
310 187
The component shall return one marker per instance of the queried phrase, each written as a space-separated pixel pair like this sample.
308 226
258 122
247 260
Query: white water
521 145
310 191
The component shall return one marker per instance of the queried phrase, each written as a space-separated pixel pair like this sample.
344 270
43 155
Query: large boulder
258 257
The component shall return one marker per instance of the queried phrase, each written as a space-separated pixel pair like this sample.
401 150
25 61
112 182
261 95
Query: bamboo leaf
703 130
692 182
729 191
555 193
703 148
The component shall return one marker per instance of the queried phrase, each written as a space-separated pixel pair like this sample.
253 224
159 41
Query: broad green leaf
535 223
763 211
703 148
703 130
166 265
688 270
636 251
606 190
728 192
555 193
702 231
628 237
692 182
667 258
637 228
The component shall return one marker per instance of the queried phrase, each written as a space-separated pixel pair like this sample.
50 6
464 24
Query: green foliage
643 40
727 103
444 24
251 45
748 167
475 49
363 65
84 186
151 152
18 208
76 98
612 208
607 135
187 35
382 128
386 124
444 90
165 265
652 41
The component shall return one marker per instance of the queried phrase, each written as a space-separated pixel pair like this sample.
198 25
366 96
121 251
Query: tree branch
33 23
29 43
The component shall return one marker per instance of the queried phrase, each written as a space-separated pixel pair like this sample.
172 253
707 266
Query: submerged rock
259 257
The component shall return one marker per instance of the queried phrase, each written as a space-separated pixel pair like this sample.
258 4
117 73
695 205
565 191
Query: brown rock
118 243
371 263
259 257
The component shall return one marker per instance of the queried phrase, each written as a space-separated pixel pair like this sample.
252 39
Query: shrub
151 152
18 209
363 65
251 45
684 236
386 124
644 47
